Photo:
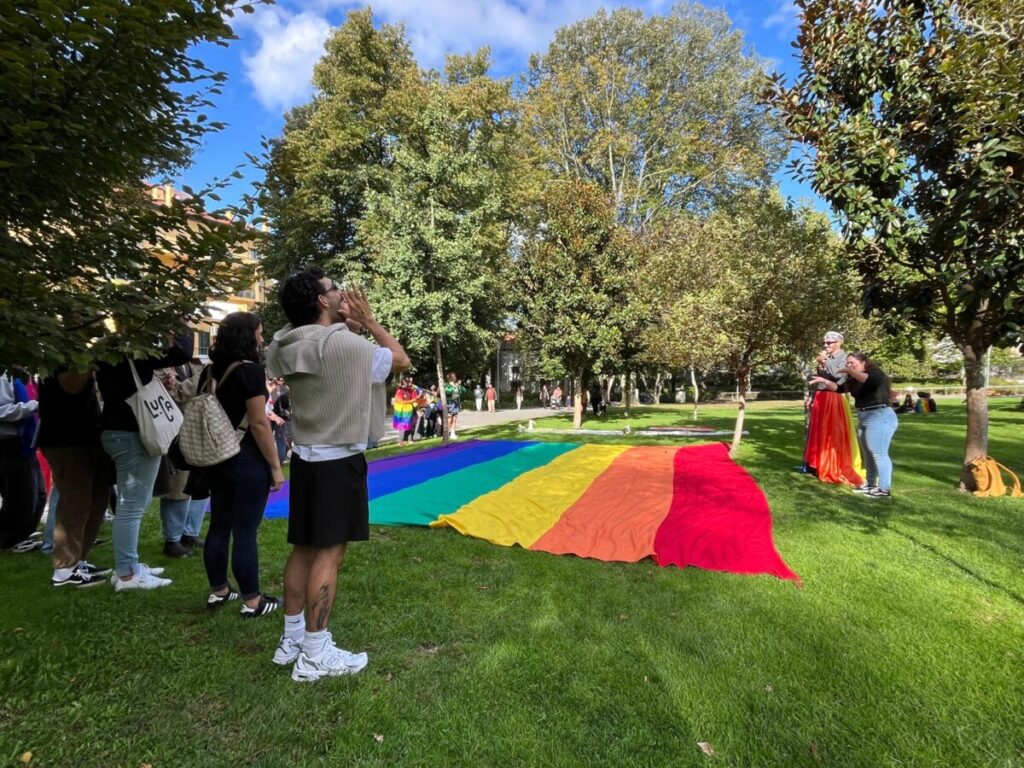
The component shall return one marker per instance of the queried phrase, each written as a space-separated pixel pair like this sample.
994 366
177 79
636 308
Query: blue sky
270 65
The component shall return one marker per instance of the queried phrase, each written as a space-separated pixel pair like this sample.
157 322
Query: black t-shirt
245 381
873 391
67 420
117 385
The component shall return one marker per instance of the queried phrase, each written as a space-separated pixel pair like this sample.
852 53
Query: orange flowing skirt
832 447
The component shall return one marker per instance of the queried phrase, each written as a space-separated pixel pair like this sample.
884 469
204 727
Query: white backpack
207 437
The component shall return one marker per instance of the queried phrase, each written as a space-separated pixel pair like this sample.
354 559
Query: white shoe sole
312 675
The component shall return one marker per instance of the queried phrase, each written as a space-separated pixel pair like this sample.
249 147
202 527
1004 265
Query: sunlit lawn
905 646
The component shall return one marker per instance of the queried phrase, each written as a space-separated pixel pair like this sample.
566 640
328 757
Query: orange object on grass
831 443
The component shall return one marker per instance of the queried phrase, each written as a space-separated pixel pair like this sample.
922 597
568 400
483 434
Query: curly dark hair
299 293
236 339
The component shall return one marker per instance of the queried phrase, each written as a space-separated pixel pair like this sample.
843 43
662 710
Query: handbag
158 416
207 437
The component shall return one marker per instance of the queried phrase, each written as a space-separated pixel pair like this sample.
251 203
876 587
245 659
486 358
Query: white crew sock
313 643
294 626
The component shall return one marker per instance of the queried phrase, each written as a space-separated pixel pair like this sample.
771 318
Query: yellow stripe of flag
521 512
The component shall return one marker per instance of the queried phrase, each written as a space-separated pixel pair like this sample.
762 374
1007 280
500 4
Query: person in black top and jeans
136 468
239 487
876 421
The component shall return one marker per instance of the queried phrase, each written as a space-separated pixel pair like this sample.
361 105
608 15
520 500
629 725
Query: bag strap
1016 492
135 375
212 384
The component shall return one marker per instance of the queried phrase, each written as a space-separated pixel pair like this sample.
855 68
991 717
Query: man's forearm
399 359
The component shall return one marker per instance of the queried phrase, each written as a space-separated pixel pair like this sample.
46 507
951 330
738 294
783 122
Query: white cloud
784 17
291 34
509 27
289 46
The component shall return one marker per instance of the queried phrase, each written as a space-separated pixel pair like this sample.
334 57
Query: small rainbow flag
682 506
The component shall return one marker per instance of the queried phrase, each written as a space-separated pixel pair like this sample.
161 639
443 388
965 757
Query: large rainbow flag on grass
682 506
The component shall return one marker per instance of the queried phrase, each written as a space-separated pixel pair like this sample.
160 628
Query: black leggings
238 497
20 510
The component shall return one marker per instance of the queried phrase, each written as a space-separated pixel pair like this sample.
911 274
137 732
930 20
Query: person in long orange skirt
831 449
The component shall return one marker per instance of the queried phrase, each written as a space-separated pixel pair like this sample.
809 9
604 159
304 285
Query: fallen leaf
482 587
388 677
705 747
647 679
814 750
768 688
26 758
379 738
623 616
429 648
417 559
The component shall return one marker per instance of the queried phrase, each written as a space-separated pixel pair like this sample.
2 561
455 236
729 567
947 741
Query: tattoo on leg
321 608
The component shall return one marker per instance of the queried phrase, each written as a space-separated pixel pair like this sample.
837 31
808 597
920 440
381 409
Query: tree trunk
577 399
608 391
742 384
976 443
696 391
627 392
658 381
440 392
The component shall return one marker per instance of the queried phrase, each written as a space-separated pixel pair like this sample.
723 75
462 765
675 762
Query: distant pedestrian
478 396
492 397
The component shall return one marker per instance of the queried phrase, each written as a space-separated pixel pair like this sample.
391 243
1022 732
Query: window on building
204 342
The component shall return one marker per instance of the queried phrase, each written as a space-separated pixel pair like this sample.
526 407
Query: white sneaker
288 650
141 579
332 662
140 568
452 435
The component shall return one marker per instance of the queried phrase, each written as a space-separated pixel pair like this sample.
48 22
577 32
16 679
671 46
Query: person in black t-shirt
240 486
876 421
136 469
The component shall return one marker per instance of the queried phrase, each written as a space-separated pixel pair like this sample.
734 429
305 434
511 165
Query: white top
381 369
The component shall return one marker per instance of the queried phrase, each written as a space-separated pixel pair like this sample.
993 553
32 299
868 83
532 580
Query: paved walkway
470 418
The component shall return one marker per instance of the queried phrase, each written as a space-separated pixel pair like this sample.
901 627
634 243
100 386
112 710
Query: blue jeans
136 473
181 517
238 496
51 521
875 429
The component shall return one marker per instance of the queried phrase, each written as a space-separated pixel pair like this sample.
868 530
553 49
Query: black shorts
328 502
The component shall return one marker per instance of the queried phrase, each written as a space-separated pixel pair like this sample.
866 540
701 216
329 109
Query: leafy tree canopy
95 98
661 112
912 112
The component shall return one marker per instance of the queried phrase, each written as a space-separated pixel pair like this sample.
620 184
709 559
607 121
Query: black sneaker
176 549
93 570
215 601
863 488
195 542
877 493
267 604
78 579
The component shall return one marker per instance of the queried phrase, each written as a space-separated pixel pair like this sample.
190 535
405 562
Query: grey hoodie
12 413
328 370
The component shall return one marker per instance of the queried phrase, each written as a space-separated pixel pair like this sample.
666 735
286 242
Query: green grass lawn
905 647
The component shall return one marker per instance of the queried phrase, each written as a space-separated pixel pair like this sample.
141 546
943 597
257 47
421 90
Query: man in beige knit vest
336 381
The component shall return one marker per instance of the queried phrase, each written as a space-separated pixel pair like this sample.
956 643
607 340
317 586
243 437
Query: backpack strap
1016 491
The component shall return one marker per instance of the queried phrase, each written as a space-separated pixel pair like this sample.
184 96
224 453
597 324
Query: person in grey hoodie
335 379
